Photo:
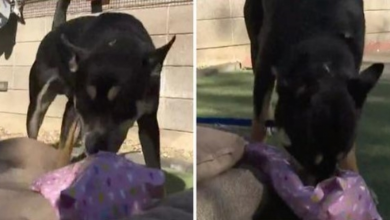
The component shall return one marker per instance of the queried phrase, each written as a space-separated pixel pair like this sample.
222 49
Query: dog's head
114 85
321 94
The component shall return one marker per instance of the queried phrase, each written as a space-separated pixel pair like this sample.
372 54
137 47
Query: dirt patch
52 137
166 151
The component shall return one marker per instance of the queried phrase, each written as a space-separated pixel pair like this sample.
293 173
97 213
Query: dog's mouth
95 143
315 172
89 152
91 144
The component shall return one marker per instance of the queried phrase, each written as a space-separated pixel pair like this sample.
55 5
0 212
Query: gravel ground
51 137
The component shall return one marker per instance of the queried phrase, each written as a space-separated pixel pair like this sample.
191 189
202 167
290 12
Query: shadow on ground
177 182
8 36
229 95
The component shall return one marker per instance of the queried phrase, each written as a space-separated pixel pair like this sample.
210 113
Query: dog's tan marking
156 72
112 43
259 130
326 67
73 66
39 104
91 91
265 112
349 162
113 92
75 102
284 138
318 159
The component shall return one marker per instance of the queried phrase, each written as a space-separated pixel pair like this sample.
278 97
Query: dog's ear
360 87
78 53
154 61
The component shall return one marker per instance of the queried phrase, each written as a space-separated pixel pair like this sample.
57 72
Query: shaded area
229 95
8 36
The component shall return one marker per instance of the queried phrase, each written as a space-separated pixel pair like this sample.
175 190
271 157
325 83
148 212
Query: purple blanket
100 187
343 197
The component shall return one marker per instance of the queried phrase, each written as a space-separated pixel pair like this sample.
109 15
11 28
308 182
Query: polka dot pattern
343 197
108 186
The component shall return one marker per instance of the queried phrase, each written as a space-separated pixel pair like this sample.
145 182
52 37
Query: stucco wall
176 103
222 37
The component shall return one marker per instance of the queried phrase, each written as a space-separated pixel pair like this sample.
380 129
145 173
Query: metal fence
41 8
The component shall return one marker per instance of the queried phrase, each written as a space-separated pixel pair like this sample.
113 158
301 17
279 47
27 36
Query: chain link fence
41 8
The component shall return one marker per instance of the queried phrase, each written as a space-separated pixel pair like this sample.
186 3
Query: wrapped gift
103 186
342 197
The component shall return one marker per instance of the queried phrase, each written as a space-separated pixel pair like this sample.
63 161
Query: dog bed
343 197
103 186
213 158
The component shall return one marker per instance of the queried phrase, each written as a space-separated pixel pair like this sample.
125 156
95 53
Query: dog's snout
94 143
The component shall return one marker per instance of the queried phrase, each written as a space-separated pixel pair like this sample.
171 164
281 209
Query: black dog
313 49
109 69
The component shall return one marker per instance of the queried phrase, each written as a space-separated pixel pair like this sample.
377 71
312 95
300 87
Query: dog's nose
91 150
93 144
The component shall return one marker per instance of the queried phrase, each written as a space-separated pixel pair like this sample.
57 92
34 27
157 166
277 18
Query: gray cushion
217 151
234 194
22 160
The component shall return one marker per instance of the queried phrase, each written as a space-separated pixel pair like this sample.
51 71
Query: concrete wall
176 103
221 33
222 37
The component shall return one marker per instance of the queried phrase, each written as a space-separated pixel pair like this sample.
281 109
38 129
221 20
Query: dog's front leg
262 93
69 118
149 135
41 96
253 16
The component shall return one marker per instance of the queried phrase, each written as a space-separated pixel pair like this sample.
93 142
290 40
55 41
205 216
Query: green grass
177 181
229 95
